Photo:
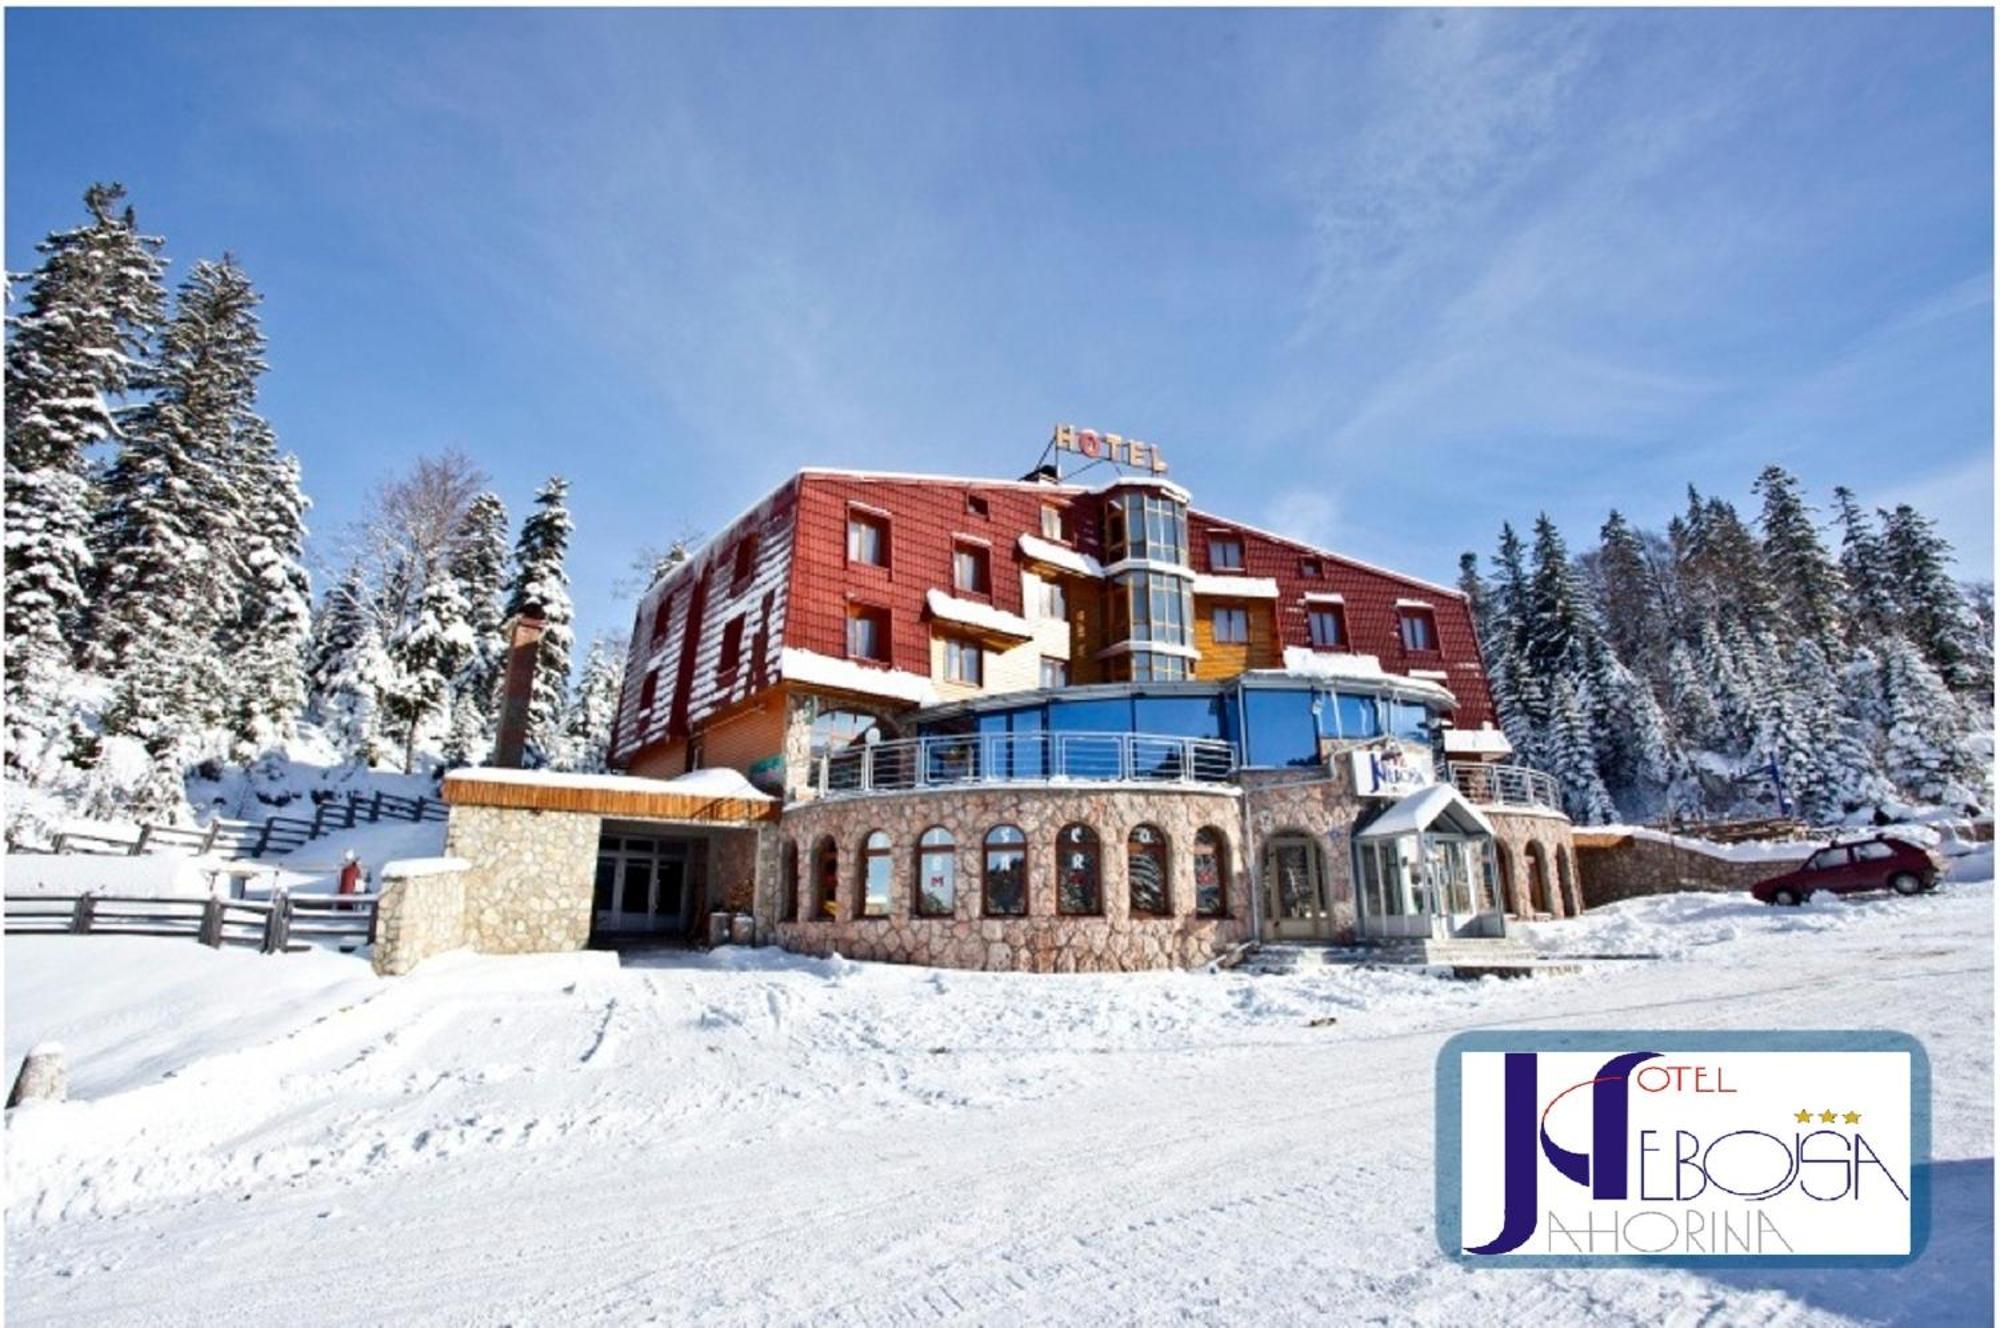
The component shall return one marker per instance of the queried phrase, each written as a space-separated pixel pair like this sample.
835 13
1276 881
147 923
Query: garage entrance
647 884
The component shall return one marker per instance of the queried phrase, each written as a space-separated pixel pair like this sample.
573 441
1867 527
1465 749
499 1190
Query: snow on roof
713 783
1040 550
1235 587
1414 604
1145 482
846 675
983 616
1487 741
1420 810
1315 549
1302 662
1325 597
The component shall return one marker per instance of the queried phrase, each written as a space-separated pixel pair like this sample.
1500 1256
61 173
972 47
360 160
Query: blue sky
1376 278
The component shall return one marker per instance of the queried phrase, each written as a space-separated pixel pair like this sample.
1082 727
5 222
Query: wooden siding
1225 660
635 804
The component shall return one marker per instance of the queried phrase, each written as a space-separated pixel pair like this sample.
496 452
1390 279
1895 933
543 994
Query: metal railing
1023 758
1504 785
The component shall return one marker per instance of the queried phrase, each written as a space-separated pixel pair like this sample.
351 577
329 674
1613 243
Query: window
1225 553
874 876
826 880
1419 629
1049 599
937 874
1145 525
663 612
1311 569
1873 851
1232 626
1053 527
788 905
969 568
1005 881
1055 672
1327 627
746 562
964 661
1079 886
1211 873
1827 859
867 538
1146 870
1151 606
649 691
732 648
975 504
1357 716
867 632
1148 666
1409 721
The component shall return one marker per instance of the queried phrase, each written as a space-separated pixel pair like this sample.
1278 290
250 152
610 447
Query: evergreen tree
350 671
92 308
540 588
1925 748
1870 601
425 659
1631 600
1574 757
593 709
478 563
1934 615
266 644
1807 582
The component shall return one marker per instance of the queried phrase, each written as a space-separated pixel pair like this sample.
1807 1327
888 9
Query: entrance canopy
1438 807
704 797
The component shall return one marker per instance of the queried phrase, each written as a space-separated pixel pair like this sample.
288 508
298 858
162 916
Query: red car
1882 863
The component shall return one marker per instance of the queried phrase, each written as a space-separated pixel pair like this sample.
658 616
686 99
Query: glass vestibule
1423 885
642 885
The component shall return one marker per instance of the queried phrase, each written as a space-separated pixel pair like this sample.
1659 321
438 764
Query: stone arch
1537 864
1572 885
1509 900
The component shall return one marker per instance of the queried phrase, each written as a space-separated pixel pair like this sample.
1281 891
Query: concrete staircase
1466 957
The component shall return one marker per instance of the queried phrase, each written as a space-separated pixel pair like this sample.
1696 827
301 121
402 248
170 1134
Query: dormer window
971 568
1225 553
1418 628
1311 569
1053 525
867 538
746 562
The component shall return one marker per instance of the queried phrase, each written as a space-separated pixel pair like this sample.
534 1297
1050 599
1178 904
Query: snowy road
758 1138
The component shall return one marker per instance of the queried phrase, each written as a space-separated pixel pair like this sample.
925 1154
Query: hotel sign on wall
1092 445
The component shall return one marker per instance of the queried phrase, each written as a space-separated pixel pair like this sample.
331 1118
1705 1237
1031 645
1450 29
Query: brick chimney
517 685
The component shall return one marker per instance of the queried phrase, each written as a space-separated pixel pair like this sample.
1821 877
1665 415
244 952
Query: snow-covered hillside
753 1137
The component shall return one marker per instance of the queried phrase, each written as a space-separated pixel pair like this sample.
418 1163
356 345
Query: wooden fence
254 839
284 922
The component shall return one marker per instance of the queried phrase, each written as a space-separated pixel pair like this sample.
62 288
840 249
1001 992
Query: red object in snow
350 878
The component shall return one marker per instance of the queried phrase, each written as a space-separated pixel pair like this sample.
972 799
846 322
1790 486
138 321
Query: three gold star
1805 1117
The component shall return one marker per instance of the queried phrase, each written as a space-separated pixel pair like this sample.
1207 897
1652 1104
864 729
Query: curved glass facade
1145 523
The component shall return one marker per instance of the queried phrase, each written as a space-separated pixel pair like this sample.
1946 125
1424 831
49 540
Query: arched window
937 874
788 903
1211 873
1079 878
872 900
1005 879
826 880
1146 870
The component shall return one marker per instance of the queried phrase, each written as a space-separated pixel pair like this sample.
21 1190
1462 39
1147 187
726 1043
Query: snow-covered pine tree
1574 756
350 671
478 563
540 586
1934 614
266 644
1869 603
1804 575
593 708
1473 587
1925 750
1691 704
83 338
425 659
171 528
1834 774
1631 600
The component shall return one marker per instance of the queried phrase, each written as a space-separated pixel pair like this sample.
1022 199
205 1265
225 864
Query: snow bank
1749 850
410 868
166 876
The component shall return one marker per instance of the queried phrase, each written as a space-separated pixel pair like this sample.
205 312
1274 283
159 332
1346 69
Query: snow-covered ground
750 1136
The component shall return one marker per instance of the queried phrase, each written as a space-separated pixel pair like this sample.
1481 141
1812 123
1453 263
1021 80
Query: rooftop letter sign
1095 446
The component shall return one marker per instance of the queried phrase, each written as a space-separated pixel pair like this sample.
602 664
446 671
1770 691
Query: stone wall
529 887
1043 941
1625 866
421 913
1322 807
733 886
1523 838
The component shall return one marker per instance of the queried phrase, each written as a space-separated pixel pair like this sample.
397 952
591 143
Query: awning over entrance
1438 806
706 797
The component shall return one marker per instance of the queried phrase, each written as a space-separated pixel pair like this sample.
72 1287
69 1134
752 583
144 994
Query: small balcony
1504 786
1023 758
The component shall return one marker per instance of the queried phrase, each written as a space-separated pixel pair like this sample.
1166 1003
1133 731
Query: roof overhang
626 797
1438 806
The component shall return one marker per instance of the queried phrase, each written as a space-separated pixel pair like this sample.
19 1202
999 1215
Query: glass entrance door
1295 889
641 886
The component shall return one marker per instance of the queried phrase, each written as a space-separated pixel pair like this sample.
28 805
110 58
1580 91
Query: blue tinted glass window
1181 716
1109 715
1358 716
1408 721
1281 727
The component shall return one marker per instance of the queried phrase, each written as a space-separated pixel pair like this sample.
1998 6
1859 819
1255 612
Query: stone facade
1625 866
1043 941
529 887
420 914
1322 808
1536 859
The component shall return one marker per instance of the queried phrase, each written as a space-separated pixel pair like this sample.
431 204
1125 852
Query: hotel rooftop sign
1094 447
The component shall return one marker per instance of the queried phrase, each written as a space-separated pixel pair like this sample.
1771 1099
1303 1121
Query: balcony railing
1505 785
1023 758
